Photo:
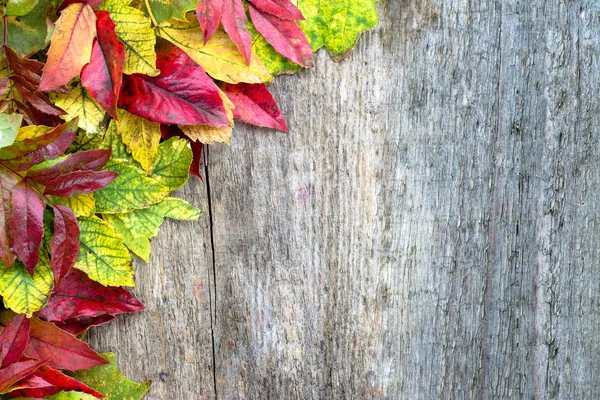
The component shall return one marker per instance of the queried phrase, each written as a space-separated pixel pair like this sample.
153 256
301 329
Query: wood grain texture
429 227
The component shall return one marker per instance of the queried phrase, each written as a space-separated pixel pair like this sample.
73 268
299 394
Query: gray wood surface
428 228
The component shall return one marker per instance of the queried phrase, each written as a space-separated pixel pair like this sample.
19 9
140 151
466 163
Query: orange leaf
71 46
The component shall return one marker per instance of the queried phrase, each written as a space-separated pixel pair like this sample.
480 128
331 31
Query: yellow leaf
140 136
23 293
209 134
135 31
220 57
83 205
71 46
31 132
80 104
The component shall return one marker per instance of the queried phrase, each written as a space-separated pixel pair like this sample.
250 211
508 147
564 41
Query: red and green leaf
103 76
182 94
285 36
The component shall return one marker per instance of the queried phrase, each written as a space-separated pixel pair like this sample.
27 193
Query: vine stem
150 12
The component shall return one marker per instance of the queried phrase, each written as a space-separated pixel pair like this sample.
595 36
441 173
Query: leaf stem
150 12
32 184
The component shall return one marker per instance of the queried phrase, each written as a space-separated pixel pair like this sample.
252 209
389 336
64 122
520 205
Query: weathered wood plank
427 229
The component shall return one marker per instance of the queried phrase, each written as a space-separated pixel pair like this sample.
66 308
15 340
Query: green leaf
71 396
139 226
114 142
171 163
164 10
274 62
107 380
28 34
131 190
80 104
9 128
337 24
18 8
102 255
23 293
135 31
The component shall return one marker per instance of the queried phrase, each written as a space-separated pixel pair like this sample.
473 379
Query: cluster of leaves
105 107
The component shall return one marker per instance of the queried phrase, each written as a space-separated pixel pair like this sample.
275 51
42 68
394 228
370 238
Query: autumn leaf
219 56
138 226
26 223
285 36
61 349
22 292
79 104
283 9
171 163
234 22
181 94
255 105
134 29
25 75
47 381
140 136
82 205
131 190
64 246
9 127
78 297
337 24
17 371
14 339
173 131
108 380
209 14
102 255
71 46
209 134
103 76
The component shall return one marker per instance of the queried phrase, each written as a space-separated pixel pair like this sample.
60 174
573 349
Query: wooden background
428 228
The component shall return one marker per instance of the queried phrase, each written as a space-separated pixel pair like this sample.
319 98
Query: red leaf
47 381
25 74
82 161
169 131
26 224
285 36
255 105
64 246
78 297
27 153
8 180
283 9
209 16
13 339
79 182
78 326
182 94
17 371
103 76
65 3
71 46
234 22
61 349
